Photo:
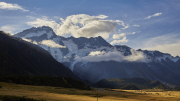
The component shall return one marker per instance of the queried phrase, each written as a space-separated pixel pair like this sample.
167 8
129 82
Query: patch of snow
39 33
51 43
151 52
56 40
167 56
174 58
55 52
86 51
50 34
72 65
44 47
72 47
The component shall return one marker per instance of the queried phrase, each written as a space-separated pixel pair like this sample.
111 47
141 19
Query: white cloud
124 40
8 28
44 21
136 56
10 6
166 43
134 33
81 25
115 56
51 43
28 40
172 49
125 27
136 25
34 42
118 36
95 53
156 14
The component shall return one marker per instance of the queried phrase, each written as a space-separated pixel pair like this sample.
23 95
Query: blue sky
139 24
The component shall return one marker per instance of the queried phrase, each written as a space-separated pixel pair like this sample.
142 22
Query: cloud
51 43
28 40
134 33
115 56
124 40
156 14
172 49
81 25
96 53
9 6
125 27
8 28
168 43
136 25
118 36
44 21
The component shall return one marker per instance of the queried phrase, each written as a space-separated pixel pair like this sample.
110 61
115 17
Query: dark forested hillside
130 84
45 81
21 58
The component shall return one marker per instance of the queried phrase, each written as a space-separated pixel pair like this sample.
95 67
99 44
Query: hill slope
22 58
129 84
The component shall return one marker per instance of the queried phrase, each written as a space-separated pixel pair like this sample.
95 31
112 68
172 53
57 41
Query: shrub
0 86
16 98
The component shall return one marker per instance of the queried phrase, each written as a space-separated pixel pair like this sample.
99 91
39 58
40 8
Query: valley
70 94
90 50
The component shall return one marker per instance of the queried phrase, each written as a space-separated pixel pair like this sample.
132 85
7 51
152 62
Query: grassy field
68 94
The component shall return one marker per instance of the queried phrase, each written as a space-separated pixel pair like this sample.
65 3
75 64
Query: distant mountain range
19 57
95 59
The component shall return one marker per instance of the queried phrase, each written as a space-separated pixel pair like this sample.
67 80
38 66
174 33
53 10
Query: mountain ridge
118 61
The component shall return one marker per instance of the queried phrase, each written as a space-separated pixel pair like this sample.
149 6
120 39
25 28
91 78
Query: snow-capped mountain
95 59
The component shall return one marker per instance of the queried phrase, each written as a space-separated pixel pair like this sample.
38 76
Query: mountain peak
44 28
42 33
92 42
40 28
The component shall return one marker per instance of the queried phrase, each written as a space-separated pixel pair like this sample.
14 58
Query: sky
139 24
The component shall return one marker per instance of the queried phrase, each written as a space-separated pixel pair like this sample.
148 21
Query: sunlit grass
68 94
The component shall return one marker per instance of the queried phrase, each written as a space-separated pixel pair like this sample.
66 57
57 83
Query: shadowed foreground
69 94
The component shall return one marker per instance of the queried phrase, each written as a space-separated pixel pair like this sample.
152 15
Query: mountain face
18 57
95 59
